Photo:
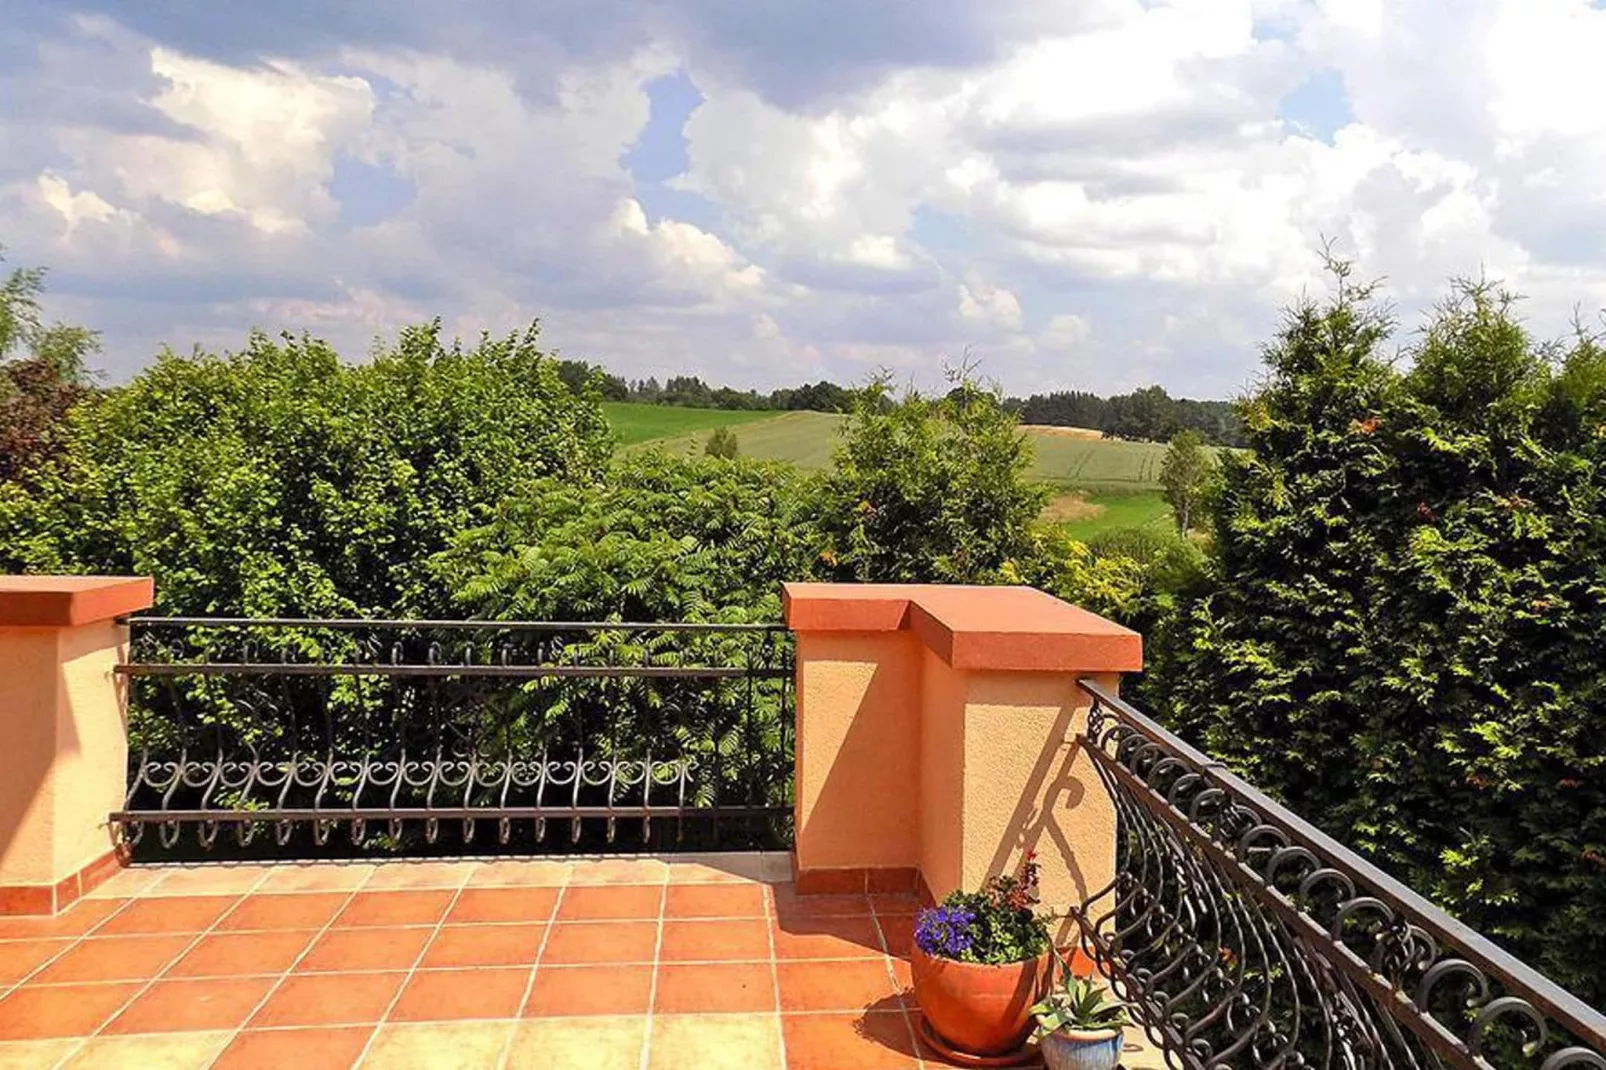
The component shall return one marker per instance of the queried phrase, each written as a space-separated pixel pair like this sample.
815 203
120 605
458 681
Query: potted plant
1078 1027
980 961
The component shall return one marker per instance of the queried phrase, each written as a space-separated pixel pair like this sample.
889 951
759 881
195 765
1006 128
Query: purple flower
944 931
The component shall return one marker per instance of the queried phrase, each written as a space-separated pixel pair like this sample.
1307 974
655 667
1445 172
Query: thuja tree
281 481
1402 625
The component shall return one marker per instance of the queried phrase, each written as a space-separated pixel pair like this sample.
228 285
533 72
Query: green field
806 439
1115 511
638 423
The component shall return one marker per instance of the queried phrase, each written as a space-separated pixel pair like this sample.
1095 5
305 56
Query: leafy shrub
280 481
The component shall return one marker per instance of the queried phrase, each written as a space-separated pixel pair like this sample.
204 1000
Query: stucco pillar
63 734
938 733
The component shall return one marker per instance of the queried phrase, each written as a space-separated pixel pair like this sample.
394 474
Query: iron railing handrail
339 623
1584 1021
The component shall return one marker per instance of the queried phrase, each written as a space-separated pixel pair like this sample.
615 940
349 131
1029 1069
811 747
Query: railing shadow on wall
1243 936
298 738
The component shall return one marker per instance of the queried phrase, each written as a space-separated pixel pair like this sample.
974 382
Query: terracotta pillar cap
66 601
978 628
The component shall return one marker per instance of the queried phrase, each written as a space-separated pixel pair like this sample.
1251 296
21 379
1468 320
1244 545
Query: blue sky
1095 195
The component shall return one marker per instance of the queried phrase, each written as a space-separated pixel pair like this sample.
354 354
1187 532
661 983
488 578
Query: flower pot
1073 1049
979 1010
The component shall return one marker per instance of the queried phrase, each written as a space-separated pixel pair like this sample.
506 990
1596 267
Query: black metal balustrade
1245 937
327 736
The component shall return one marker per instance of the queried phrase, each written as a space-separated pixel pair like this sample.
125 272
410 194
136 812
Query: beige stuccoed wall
942 774
65 742
952 745
29 700
1030 786
857 789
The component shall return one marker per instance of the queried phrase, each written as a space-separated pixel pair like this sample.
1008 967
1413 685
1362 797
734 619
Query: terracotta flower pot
1075 1049
980 1010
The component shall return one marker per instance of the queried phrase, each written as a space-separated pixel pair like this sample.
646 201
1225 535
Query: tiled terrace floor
629 963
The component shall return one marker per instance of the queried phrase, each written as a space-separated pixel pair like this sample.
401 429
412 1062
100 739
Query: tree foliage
1185 476
1401 633
655 538
929 490
280 481
722 443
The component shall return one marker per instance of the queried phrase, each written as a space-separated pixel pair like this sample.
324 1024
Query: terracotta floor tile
179 914
33 1054
443 995
208 880
123 958
897 932
902 977
595 904
365 949
598 871
827 938
834 986
718 1042
483 945
714 901
715 941
301 1049
521 873
178 1051
502 904
318 877
127 882
394 908
771 867
878 1041
19 958
594 942
193 1006
722 988
310 910
30 1013
560 991
577 1044
894 903
238 954
400 875
76 920
450 1046
329 999
787 903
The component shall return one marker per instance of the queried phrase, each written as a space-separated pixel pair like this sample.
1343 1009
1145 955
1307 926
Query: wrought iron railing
1243 936
295 737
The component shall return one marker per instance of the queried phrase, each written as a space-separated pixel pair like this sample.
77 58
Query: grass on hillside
634 422
806 439
1099 513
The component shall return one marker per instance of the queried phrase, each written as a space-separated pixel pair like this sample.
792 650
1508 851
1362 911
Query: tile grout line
529 985
412 971
644 1061
771 916
284 975
892 974
148 985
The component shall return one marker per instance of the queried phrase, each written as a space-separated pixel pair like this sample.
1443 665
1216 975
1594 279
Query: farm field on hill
635 422
806 439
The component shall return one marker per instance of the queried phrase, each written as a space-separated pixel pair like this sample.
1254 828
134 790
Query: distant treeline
1149 414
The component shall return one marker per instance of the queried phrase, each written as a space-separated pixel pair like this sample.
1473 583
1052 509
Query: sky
1089 194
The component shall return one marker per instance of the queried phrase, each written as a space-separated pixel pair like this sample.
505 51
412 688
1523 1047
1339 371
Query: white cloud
1093 197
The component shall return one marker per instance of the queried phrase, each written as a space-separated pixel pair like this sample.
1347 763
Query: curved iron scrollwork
399 733
1242 936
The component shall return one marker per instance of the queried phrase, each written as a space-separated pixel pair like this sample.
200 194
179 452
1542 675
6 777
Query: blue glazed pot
1071 1050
